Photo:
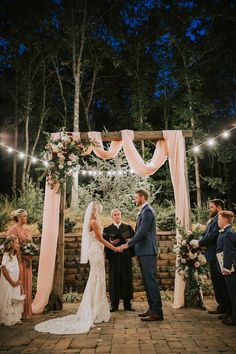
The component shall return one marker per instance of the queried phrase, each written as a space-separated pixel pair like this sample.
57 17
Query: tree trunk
44 112
27 118
77 67
15 144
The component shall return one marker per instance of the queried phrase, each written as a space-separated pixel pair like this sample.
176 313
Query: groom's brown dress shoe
152 317
144 314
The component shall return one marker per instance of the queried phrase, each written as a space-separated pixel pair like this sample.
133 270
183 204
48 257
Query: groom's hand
124 247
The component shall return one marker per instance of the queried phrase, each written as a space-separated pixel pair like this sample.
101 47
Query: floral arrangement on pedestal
191 264
63 153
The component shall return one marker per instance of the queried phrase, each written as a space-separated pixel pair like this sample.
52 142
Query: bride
94 307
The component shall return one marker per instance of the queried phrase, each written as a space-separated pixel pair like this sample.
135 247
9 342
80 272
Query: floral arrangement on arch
191 263
63 153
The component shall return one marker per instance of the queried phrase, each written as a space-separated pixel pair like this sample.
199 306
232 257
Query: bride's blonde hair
97 209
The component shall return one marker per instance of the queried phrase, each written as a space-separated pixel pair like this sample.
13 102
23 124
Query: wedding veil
85 243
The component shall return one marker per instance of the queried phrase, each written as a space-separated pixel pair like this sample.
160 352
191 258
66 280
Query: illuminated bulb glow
225 134
196 149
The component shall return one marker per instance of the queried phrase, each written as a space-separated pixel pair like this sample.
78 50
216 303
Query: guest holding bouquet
12 299
20 217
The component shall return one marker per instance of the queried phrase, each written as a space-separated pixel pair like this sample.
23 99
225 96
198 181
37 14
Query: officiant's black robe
120 264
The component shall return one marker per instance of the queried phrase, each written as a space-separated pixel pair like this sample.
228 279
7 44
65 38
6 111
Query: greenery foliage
115 191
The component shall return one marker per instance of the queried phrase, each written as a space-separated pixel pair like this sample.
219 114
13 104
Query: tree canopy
112 65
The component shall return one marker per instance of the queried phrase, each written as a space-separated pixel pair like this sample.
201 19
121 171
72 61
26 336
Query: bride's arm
99 236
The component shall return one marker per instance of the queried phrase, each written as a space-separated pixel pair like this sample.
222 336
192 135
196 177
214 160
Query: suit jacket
145 239
227 244
209 239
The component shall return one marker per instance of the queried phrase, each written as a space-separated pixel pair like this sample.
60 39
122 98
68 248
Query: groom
145 246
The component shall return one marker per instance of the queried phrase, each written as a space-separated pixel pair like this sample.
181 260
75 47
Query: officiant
120 264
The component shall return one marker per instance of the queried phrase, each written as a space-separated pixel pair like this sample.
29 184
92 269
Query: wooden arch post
56 298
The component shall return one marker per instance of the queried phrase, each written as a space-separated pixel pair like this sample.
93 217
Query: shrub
6 207
31 199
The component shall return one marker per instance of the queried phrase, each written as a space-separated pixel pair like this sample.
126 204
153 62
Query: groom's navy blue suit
145 246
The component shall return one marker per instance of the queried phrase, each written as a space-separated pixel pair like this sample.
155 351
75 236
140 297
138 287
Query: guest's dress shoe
229 321
113 309
144 314
130 308
152 317
216 312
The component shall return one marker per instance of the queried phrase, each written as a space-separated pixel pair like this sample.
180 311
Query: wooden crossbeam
138 135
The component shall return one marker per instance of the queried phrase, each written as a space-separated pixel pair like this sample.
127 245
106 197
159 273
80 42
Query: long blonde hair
8 245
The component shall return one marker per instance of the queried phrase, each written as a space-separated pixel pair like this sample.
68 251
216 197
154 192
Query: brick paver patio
182 331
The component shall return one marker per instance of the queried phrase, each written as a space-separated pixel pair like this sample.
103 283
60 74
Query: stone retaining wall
76 274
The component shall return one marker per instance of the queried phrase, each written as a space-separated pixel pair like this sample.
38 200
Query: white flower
55 148
197 265
183 243
183 260
192 255
189 233
65 137
61 167
72 157
198 226
194 243
202 259
69 163
60 145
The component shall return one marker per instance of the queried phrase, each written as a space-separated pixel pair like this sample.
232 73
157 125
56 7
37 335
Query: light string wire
211 141
195 148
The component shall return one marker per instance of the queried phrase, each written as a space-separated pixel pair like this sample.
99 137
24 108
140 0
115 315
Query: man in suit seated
120 264
226 248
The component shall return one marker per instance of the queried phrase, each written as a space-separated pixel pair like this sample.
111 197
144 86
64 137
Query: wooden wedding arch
55 301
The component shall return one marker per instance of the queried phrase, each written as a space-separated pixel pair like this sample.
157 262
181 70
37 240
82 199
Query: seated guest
120 264
226 252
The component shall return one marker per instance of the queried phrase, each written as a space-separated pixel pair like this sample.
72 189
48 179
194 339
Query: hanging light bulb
9 150
34 160
225 134
196 148
45 163
21 155
211 142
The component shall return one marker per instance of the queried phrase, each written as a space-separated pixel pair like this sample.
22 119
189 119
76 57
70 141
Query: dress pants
148 265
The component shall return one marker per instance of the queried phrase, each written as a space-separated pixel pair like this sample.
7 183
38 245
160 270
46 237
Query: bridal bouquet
29 249
191 262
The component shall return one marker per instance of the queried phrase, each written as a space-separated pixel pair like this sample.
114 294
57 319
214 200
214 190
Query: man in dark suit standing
226 250
120 264
145 246
209 240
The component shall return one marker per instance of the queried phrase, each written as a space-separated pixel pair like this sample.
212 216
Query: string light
212 141
22 155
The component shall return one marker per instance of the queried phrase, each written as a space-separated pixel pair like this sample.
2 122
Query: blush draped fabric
172 147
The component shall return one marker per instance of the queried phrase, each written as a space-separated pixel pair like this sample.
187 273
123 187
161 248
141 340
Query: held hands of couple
122 247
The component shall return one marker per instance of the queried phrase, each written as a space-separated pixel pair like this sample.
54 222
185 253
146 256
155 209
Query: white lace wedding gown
94 307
